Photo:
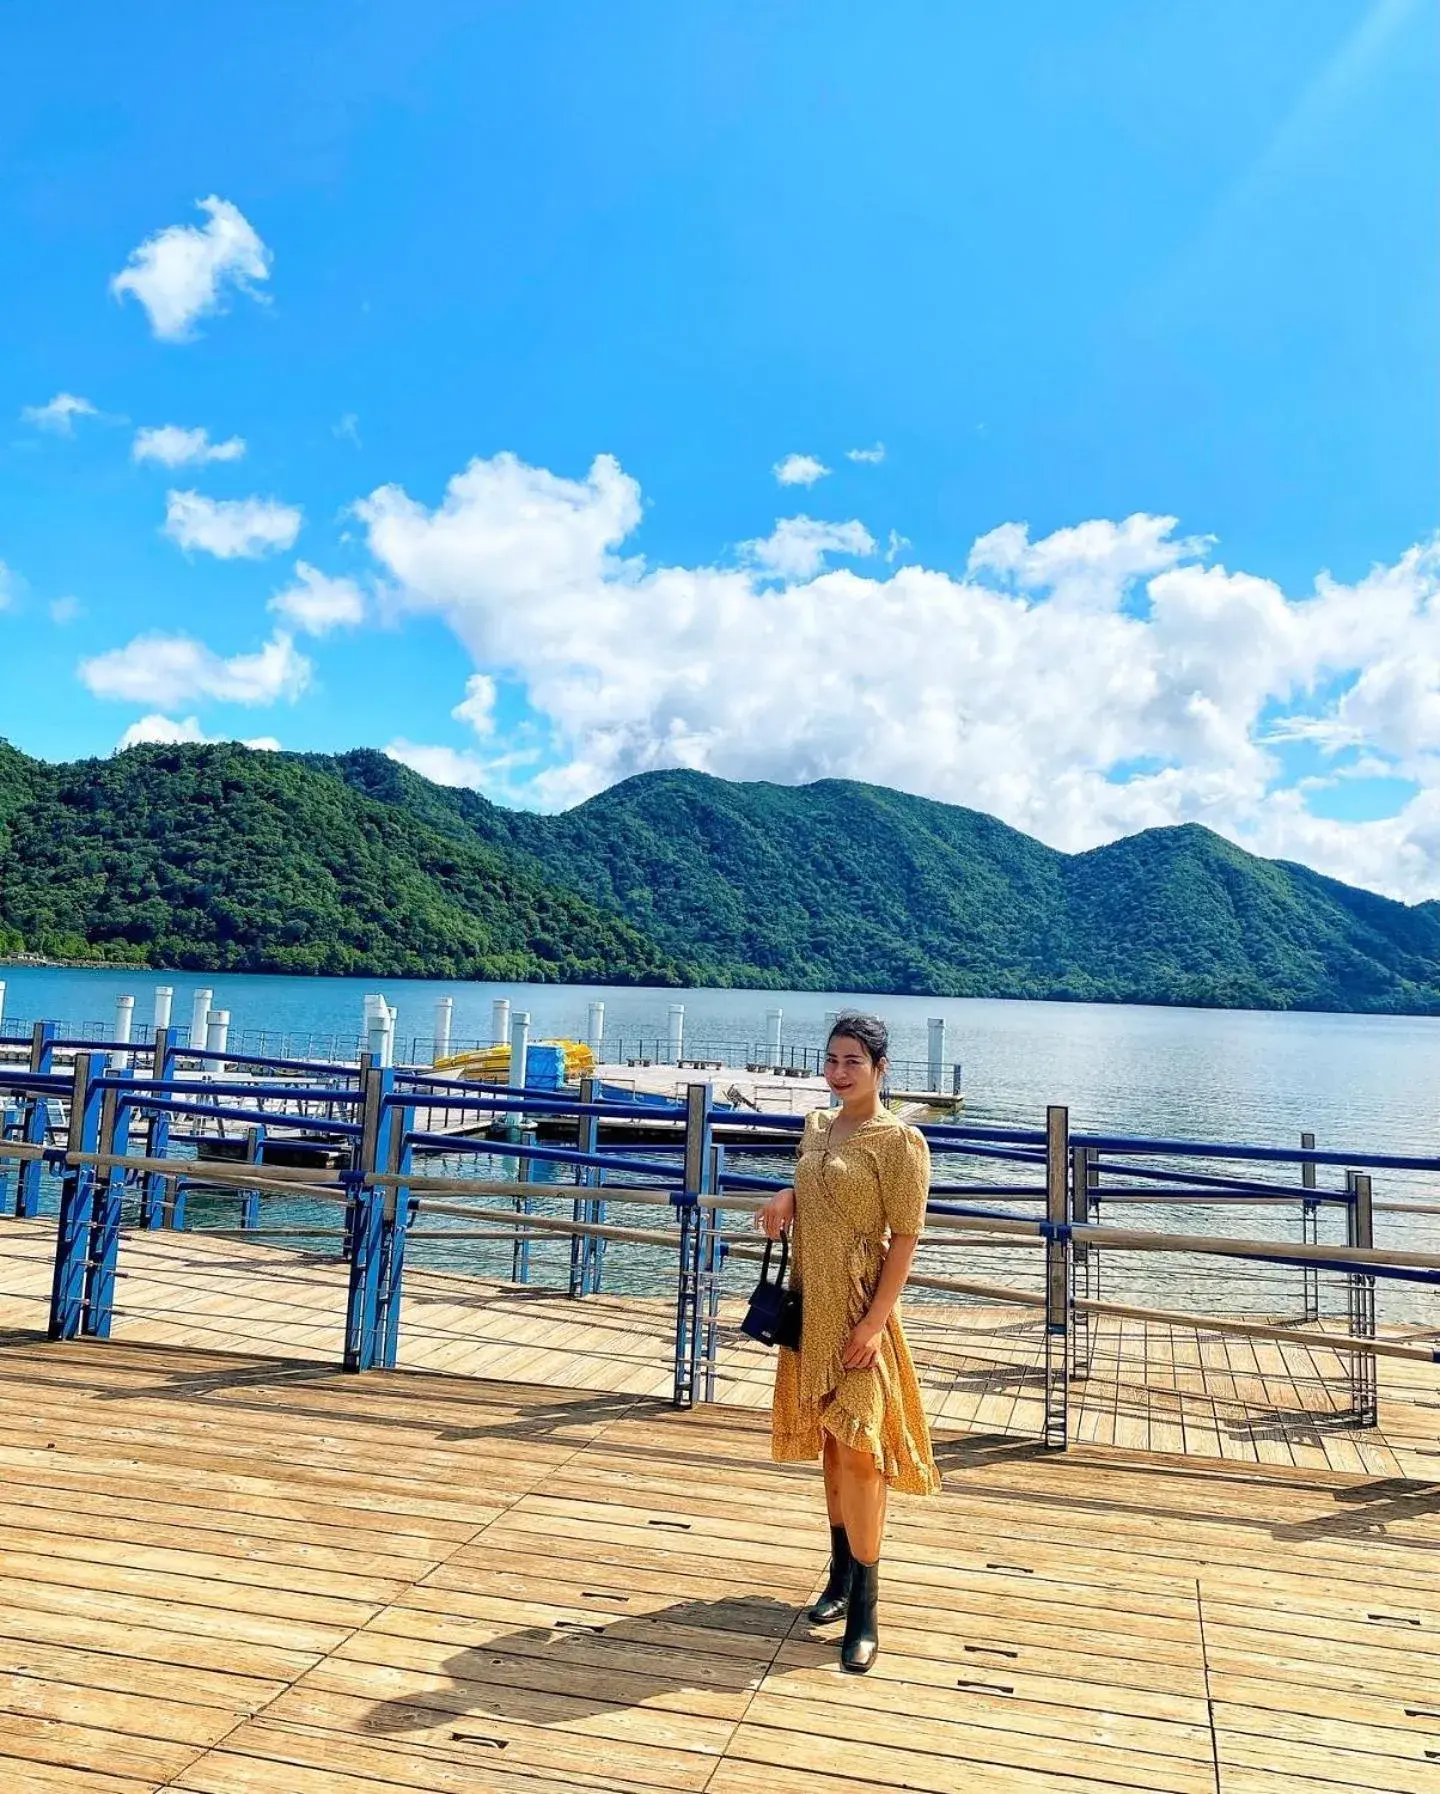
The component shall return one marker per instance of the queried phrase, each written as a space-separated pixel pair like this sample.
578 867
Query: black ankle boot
831 1605
861 1645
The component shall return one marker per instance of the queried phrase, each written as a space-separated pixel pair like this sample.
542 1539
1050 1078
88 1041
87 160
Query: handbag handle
784 1260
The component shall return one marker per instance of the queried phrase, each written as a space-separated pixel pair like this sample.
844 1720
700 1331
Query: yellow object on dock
492 1064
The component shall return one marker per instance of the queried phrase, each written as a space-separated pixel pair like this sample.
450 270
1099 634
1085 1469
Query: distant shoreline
849 994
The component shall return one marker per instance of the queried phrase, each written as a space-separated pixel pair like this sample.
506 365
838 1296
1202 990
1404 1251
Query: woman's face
849 1071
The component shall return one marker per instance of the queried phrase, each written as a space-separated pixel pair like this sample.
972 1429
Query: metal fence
112 1135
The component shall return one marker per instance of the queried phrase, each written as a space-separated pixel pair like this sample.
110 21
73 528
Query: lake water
1357 1082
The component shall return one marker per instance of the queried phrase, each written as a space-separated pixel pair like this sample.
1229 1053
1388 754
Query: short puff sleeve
905 1184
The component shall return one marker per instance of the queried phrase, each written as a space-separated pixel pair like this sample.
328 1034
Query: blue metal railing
384 1187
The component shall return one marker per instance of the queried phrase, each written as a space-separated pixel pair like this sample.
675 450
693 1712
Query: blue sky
1057 275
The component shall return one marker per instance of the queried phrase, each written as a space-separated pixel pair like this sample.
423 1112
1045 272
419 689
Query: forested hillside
220 857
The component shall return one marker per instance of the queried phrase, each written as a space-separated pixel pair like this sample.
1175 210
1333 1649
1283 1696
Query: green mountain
218 857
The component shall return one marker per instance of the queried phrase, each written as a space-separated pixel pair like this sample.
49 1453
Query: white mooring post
595 1029
444 1018
164 1003
936 1026
773 1020
2 1000
379 1029
124 1026
677 1032
519 1046
500 1022
199 1018
217 1030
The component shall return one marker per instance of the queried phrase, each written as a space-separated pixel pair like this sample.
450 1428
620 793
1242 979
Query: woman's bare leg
862 1495
831 1463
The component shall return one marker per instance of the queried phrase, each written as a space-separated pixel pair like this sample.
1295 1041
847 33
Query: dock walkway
236 1573
1153 1387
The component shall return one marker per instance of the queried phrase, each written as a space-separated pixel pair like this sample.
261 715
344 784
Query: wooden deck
1152 1388
246 1574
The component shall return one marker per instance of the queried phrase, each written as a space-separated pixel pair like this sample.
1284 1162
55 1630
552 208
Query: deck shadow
1371 1509
549 1675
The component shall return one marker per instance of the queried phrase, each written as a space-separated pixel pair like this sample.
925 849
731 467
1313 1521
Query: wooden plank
415 1582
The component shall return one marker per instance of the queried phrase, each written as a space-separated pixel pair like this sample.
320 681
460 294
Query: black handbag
773 1316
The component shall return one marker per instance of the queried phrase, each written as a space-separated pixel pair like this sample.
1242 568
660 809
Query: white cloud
1090 565
477 707
1031 687
316 603
66 610
797 546
9 586
172 446
347 429
162 730
799 470
441 765
871 455
165 731
59 415
231 528
170 670
182 273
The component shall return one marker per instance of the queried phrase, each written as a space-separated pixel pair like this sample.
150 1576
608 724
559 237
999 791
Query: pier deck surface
1156 1388
235 1573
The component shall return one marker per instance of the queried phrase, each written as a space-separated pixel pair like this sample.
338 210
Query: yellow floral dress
847 1204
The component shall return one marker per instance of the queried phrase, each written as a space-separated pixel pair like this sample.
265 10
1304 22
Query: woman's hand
773 1217
862 1348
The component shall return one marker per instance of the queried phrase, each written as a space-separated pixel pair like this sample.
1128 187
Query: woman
849 1395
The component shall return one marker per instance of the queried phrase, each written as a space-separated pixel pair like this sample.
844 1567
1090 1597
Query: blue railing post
587 1134
1080 1260
713 1269
1309 1235
694 1254
250 1199
365 1066
397 1212
115 1114
27 1184
77 1204
523 1205
157 1138
1057 1277
368 1219
1360 1231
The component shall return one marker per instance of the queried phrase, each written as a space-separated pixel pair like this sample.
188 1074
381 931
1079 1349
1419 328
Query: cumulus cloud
183 273
166 731
1091 564
170 670
1105 677
231 528
799 470
796 548
477 707
318 604
172 446
871 455
58 416
441 765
